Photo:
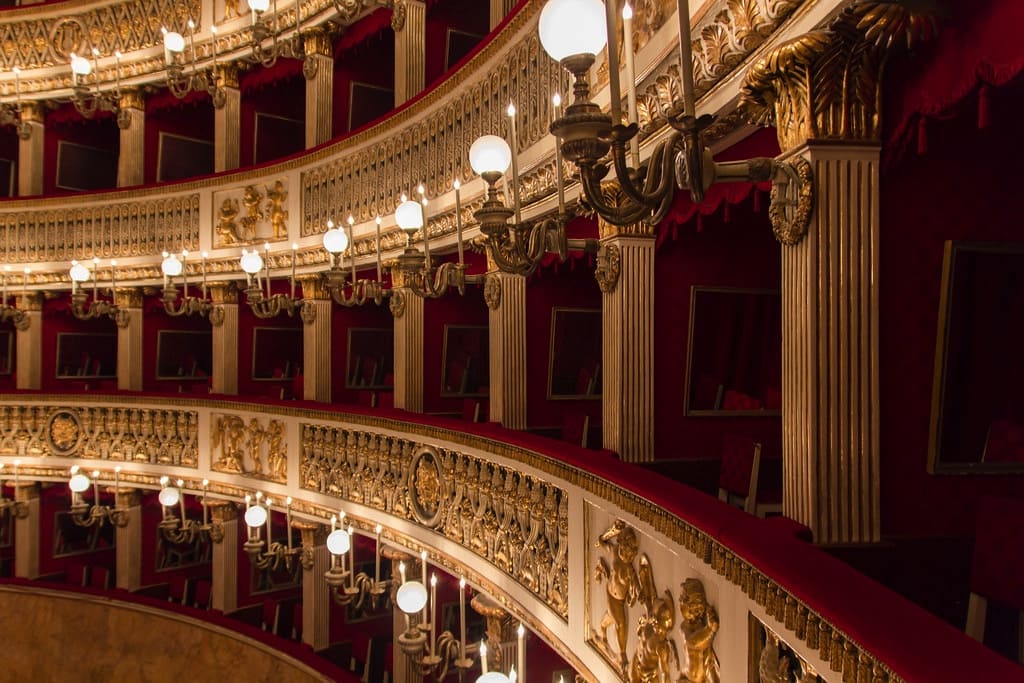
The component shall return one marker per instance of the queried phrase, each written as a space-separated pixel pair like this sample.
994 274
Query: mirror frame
551 396
444 361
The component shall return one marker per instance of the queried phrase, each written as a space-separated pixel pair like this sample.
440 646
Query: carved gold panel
252 214
255 448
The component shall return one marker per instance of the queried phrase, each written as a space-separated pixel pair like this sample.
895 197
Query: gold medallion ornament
63 432
492 292
425 492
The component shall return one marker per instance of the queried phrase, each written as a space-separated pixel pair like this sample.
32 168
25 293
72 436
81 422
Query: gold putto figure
276 197
619 541
699 624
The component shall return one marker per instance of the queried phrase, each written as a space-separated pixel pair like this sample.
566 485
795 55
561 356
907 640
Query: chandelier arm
625 178
617 215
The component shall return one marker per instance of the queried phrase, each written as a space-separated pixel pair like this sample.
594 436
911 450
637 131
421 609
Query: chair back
575 425
738 454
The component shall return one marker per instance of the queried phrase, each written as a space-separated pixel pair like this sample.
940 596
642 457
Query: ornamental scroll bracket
825 85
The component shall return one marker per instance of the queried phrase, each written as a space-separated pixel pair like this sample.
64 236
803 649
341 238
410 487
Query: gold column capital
227 75
313 534
316 41
223 292
30 301
222 510
132 98
128 297
313 287
127 498
24 491
825 84
32 111
612 195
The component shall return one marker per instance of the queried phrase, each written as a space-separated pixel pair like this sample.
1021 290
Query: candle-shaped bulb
248 499
483 650
462 584
422 190
511 111
423 555
259 494
288 501
184 253
521 631
95 474
351 220
556 100
117 55
403 198
266 246
456 184
295 246
401 570
378 529
341 515
117 469
206 482
95 52
627 11
268 502
191 25
213 30
378 220
181 483
206 254
433 580
95 260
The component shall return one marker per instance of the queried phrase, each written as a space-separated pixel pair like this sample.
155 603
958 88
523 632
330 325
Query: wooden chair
997 565
470 410
203 594
740 476
575 427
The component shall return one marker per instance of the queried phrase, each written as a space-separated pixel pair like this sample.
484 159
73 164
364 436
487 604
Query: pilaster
224 567
499 10
505 295
224 321
316 594
319 72
131 154
316 340
128 545
129 341
227 121
625 274
30 342
409 21
30 151
26 532
407 309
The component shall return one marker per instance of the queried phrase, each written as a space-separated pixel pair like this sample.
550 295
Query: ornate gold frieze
249 448
825 85
251 214
164 437
516 522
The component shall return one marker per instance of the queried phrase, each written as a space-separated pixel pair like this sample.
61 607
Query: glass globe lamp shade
169 496
338 542
251 263
259 5
78 272
79 483
174 41
493 677
490 154
171 266
411 597
335 241
572 27
256 516
409 216
80 66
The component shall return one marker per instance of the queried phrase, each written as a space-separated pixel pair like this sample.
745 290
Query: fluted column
26 531
830 232
625 274
505 295
499 10
131 153
409 21
316 595
404 671
129 340
316 340
128 546
407 308
29 339
227 121
319 72
224 567
224 322
30 151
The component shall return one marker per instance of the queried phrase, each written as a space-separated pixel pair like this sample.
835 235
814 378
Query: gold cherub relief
252 450
699 624
252 198
276 197
227 228
623 587
656 653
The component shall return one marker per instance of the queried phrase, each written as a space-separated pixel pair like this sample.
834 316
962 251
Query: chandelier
85 308
178 82
415 266
335 241
171 268
9 311
263 30
276 555
265 304
347 586
15 507
11 114
572 33
88 101
183 530
83 514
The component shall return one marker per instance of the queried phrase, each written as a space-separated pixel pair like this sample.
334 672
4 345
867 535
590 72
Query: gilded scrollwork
607 271
515 521
166 437
250 449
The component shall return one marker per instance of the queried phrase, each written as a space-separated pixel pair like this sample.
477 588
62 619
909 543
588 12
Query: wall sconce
276 555
85 308
83 514
416 268
87 101
262 31
17 508
178 83
431 653
182 530
186 305
270 305
360 587
10 312
359 291
572 33
10 114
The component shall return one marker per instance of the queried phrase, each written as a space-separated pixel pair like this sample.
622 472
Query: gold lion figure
227 229
699 624
623 584
276 197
